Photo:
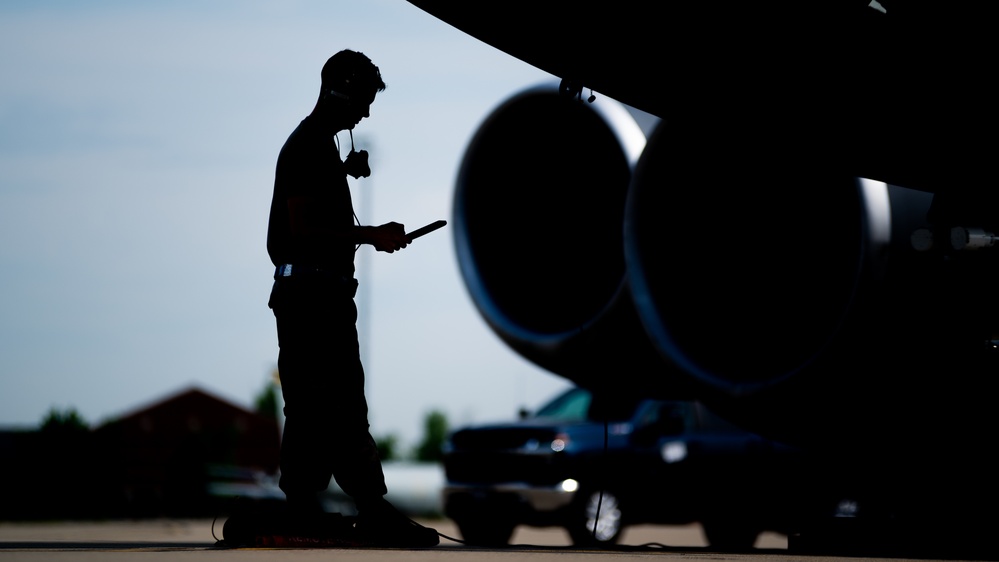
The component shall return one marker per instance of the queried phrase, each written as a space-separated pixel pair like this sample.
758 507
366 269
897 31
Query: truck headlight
673 451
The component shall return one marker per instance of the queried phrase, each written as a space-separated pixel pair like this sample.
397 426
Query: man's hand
388 237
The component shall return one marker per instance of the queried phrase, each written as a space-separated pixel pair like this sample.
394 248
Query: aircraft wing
899 91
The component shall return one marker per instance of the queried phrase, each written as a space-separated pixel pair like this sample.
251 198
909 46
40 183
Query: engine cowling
538 214
798 300
696 263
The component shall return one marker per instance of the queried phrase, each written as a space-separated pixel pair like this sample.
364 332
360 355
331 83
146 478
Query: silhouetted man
312 237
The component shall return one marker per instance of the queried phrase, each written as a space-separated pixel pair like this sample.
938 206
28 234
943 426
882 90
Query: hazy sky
137 151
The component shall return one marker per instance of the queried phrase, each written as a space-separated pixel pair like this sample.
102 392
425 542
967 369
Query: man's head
349 82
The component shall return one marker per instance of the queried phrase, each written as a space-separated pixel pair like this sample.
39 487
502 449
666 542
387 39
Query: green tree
388 447
435 427
64 421
266 403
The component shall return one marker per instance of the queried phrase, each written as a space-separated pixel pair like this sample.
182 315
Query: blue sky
137 150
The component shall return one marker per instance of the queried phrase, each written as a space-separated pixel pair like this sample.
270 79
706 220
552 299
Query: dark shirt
309 165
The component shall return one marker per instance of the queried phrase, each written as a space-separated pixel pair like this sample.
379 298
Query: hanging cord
336 140
600 496
357 220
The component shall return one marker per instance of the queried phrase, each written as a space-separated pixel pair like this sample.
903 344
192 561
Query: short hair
351 73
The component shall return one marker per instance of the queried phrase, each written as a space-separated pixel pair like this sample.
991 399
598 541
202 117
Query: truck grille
503 455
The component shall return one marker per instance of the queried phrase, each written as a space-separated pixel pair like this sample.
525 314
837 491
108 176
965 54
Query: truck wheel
609 524
485 532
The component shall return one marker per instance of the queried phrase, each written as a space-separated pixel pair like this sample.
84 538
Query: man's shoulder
303 130
309 137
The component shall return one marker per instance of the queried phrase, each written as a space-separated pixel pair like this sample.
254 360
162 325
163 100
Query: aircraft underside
789 217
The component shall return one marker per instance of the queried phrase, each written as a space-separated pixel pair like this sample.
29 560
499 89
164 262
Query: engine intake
538 215
795 297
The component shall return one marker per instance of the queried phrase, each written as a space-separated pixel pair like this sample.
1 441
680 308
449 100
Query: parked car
596 464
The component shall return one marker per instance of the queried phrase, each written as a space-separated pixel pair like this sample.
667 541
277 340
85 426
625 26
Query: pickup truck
594 465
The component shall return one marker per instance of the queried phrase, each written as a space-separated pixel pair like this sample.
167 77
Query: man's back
309 167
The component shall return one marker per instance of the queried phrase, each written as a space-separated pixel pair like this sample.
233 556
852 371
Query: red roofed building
162 459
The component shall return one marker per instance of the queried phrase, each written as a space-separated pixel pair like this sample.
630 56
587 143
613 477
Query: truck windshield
572 405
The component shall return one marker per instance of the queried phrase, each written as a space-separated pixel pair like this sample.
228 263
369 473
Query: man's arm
387 237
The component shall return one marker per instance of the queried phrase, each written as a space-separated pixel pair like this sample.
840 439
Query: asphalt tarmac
196 540
163 539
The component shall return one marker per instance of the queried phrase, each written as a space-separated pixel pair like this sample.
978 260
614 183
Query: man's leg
356 464
326 420
326 414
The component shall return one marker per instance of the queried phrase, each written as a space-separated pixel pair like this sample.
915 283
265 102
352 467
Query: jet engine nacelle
538 213
801 302
807 304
